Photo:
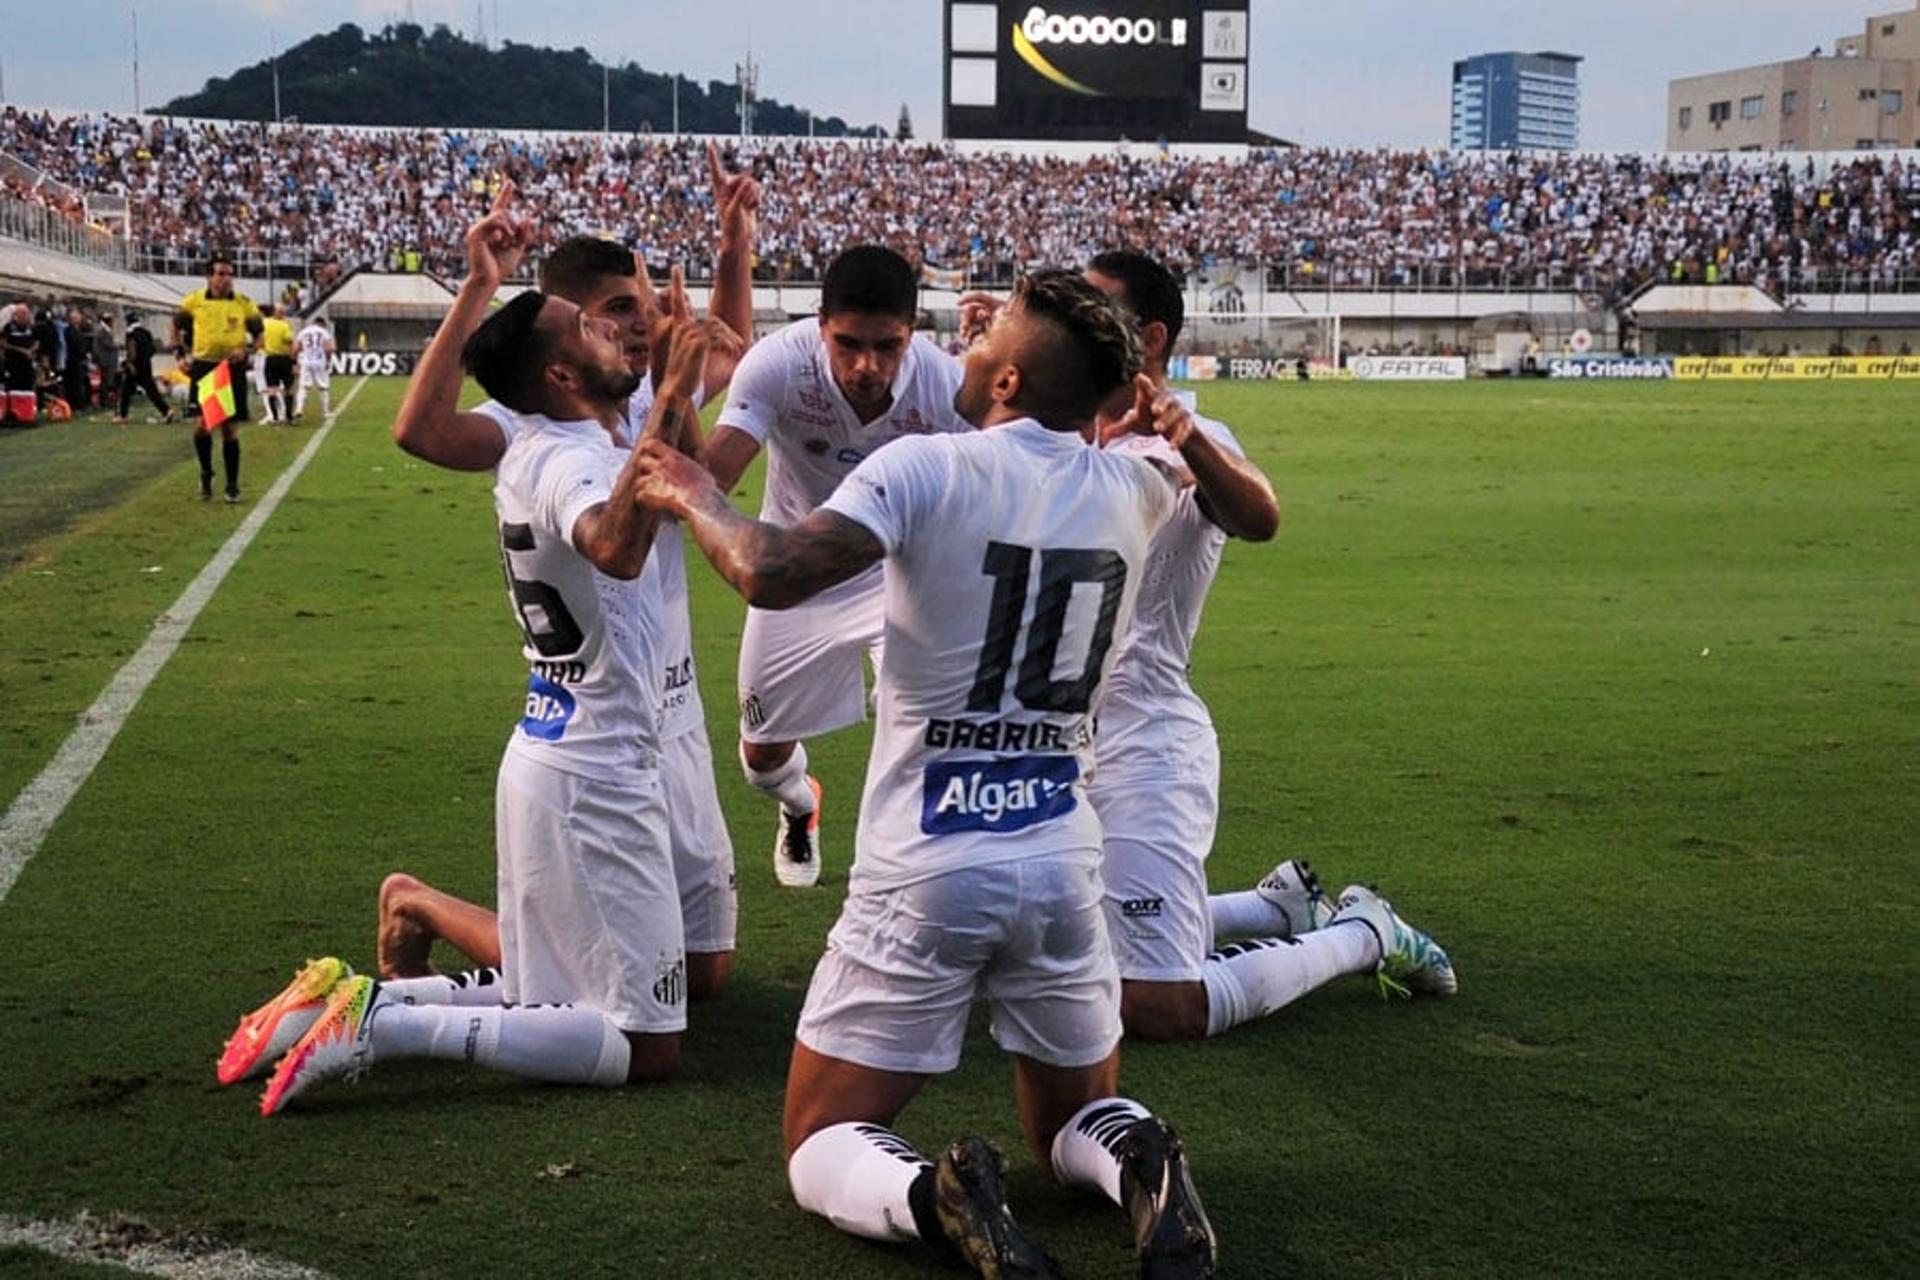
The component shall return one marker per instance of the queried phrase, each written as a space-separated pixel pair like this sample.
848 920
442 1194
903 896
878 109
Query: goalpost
1264 335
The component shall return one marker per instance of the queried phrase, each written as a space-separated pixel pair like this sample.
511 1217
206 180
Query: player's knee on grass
707 972
1164 1011
653 1057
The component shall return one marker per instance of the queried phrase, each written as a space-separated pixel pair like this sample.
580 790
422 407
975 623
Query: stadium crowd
1319 218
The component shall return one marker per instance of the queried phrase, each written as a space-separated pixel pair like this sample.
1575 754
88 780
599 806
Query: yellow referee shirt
219 324
277 338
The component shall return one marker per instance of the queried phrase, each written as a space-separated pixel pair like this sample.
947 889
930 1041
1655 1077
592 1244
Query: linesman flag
215 393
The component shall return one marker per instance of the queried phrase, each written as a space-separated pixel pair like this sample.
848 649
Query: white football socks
476 988
1248 980
561 1043
1086 1151
1247 914
858 1177
787 784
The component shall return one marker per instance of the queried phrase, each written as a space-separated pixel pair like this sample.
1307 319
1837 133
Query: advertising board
1797 368
1611 368
1408 368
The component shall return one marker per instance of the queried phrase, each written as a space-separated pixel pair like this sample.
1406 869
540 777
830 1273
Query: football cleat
970 1199
336 1046
233 496
796 847
277 1025
206 486
1170 1229
1410 961
1295 891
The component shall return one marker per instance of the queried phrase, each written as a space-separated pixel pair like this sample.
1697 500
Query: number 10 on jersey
1061 569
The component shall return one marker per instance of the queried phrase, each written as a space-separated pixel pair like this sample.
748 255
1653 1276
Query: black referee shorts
201 368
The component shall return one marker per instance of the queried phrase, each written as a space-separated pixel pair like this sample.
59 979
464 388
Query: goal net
1255 335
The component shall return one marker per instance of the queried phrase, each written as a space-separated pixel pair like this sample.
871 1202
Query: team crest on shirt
996 795
910 420
669 983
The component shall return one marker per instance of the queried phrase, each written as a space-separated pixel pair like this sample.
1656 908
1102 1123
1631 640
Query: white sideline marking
37 807
132 1244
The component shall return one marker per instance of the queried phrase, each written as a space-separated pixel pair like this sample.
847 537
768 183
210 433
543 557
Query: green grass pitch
1613 688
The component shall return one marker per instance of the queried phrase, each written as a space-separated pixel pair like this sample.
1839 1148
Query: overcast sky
1352 73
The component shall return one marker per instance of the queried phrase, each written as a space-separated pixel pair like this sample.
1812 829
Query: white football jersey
783 395
311 343
1148 705
1013 557
593 642
681 710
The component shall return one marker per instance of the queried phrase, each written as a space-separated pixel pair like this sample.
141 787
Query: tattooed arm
771 567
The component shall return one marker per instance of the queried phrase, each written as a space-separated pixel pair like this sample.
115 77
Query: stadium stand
341 199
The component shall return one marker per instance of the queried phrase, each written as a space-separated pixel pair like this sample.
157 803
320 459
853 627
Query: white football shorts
589 913
315 375
702 850
1159 824
800 668
903 966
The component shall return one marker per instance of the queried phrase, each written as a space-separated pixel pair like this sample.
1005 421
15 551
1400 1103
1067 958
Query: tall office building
1516 101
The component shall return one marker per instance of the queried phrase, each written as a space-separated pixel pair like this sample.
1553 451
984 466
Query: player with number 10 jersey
1009 577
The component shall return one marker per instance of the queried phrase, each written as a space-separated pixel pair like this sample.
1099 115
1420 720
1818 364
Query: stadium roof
1909 318
40 272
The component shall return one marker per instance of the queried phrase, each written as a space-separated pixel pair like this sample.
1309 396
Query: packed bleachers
1317 218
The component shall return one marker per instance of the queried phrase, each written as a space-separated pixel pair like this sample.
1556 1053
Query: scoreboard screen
1097 70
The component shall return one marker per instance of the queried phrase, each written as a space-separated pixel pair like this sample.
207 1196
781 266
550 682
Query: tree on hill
407 75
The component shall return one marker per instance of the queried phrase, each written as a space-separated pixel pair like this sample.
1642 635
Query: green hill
406 75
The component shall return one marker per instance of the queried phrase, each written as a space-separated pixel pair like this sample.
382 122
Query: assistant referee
276 340
219 325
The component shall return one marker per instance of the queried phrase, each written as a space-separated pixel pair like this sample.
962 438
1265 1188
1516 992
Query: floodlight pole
748 77
606 96
135 11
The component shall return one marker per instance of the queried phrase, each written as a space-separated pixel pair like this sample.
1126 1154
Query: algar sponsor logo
997 795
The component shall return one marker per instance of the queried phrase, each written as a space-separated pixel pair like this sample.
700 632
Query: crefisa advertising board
1097 70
